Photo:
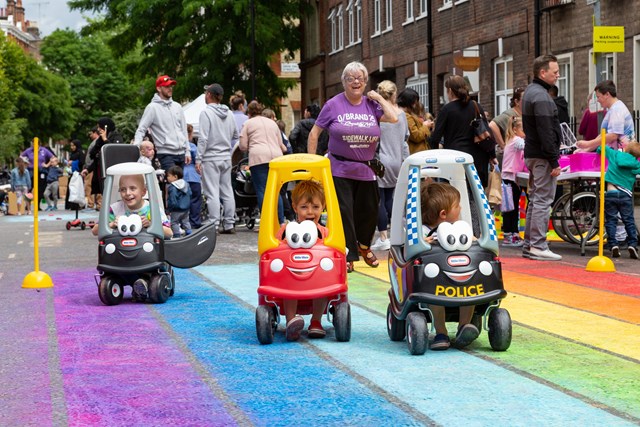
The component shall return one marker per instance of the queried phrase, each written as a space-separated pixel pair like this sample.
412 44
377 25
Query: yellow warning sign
608 39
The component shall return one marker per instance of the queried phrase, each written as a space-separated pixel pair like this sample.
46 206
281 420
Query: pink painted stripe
120 367
25 396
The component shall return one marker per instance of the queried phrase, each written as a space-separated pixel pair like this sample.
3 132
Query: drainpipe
536 27
430 57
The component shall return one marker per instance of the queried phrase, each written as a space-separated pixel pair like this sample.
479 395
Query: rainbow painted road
574 360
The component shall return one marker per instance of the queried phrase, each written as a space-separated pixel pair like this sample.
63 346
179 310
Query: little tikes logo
301 257
458 260
128 242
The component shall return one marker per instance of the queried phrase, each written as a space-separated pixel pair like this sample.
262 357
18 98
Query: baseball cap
215 89
165 81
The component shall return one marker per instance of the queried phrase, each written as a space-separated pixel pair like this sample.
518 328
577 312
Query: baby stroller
243 192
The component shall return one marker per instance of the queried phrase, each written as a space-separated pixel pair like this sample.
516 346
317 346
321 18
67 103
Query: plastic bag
507 198
76 189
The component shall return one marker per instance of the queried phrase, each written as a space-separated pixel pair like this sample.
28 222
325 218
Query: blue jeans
259 174
385 207
619 202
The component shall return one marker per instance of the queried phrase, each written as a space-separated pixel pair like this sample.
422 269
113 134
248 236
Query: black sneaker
140 290
615 252
466 335
633 252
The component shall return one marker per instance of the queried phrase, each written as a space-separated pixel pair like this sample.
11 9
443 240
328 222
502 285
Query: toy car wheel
160 288
110 291
251 223
417 333
265 324
499 329
395 326
68 225
83 225
342 321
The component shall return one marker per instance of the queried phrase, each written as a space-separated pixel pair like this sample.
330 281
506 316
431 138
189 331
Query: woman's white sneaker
381 245
543 255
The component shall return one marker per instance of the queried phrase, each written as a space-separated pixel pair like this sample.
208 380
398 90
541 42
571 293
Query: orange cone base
602 264
37 280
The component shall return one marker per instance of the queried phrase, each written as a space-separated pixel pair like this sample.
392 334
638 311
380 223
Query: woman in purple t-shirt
353 122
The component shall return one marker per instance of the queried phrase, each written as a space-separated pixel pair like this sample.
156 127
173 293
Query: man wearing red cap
164 118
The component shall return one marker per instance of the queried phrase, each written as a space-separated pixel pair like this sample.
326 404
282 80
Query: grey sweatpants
216 186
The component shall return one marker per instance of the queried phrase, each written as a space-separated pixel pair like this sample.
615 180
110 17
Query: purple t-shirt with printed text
354 133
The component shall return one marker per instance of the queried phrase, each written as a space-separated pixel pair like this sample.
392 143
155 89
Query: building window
376 17
565 81
503 83
409 17
334 30
447 3
420 84
388 15
354 12
340 28
423 8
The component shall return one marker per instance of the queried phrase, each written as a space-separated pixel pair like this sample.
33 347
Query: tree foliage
13 71
200 41
97 81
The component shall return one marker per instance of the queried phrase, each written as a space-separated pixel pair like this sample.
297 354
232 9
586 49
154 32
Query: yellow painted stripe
587 328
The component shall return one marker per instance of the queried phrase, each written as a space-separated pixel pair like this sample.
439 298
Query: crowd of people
358 130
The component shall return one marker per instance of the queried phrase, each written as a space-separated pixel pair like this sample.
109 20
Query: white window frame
388 15
376 18
358 21
446 4
501 97
409 17
332 23
423 9
636 76
351 23
610 58
420 84
340 28
565 81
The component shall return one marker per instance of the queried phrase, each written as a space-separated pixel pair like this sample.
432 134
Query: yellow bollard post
600 262
36 279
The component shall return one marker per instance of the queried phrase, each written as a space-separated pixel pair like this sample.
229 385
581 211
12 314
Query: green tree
202 41
98 83
13 71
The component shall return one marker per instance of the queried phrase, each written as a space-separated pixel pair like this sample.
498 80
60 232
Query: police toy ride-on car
133 252
456 271
303 267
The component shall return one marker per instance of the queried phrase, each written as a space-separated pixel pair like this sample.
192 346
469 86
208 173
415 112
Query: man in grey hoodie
165 119
217 130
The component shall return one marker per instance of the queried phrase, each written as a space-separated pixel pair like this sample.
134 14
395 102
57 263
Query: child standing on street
440 202
308 203
512 163
178 201
618 198
20 184
51 191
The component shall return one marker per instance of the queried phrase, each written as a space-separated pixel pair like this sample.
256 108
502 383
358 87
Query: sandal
350 267
368 256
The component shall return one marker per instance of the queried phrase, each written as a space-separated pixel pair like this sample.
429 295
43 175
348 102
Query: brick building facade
497 40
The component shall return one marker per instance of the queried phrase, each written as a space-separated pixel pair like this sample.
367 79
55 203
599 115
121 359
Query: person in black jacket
108 135
561 103
76 160
300 133
541 153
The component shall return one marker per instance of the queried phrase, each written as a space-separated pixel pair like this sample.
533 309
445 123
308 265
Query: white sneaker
381 245
543 255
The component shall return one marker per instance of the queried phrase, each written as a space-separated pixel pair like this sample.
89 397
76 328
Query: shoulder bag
482 134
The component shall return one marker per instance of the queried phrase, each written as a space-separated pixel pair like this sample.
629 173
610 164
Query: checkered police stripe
413 234
493 235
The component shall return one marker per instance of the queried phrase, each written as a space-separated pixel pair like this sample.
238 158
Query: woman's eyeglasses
351 79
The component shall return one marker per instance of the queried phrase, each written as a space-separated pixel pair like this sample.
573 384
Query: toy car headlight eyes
303 235
455 237
129 225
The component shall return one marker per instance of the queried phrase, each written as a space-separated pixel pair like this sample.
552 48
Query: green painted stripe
587 373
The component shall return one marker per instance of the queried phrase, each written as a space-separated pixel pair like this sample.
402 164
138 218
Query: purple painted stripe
25 394
120 367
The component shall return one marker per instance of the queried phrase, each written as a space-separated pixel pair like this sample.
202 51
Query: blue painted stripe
276 385
450 388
